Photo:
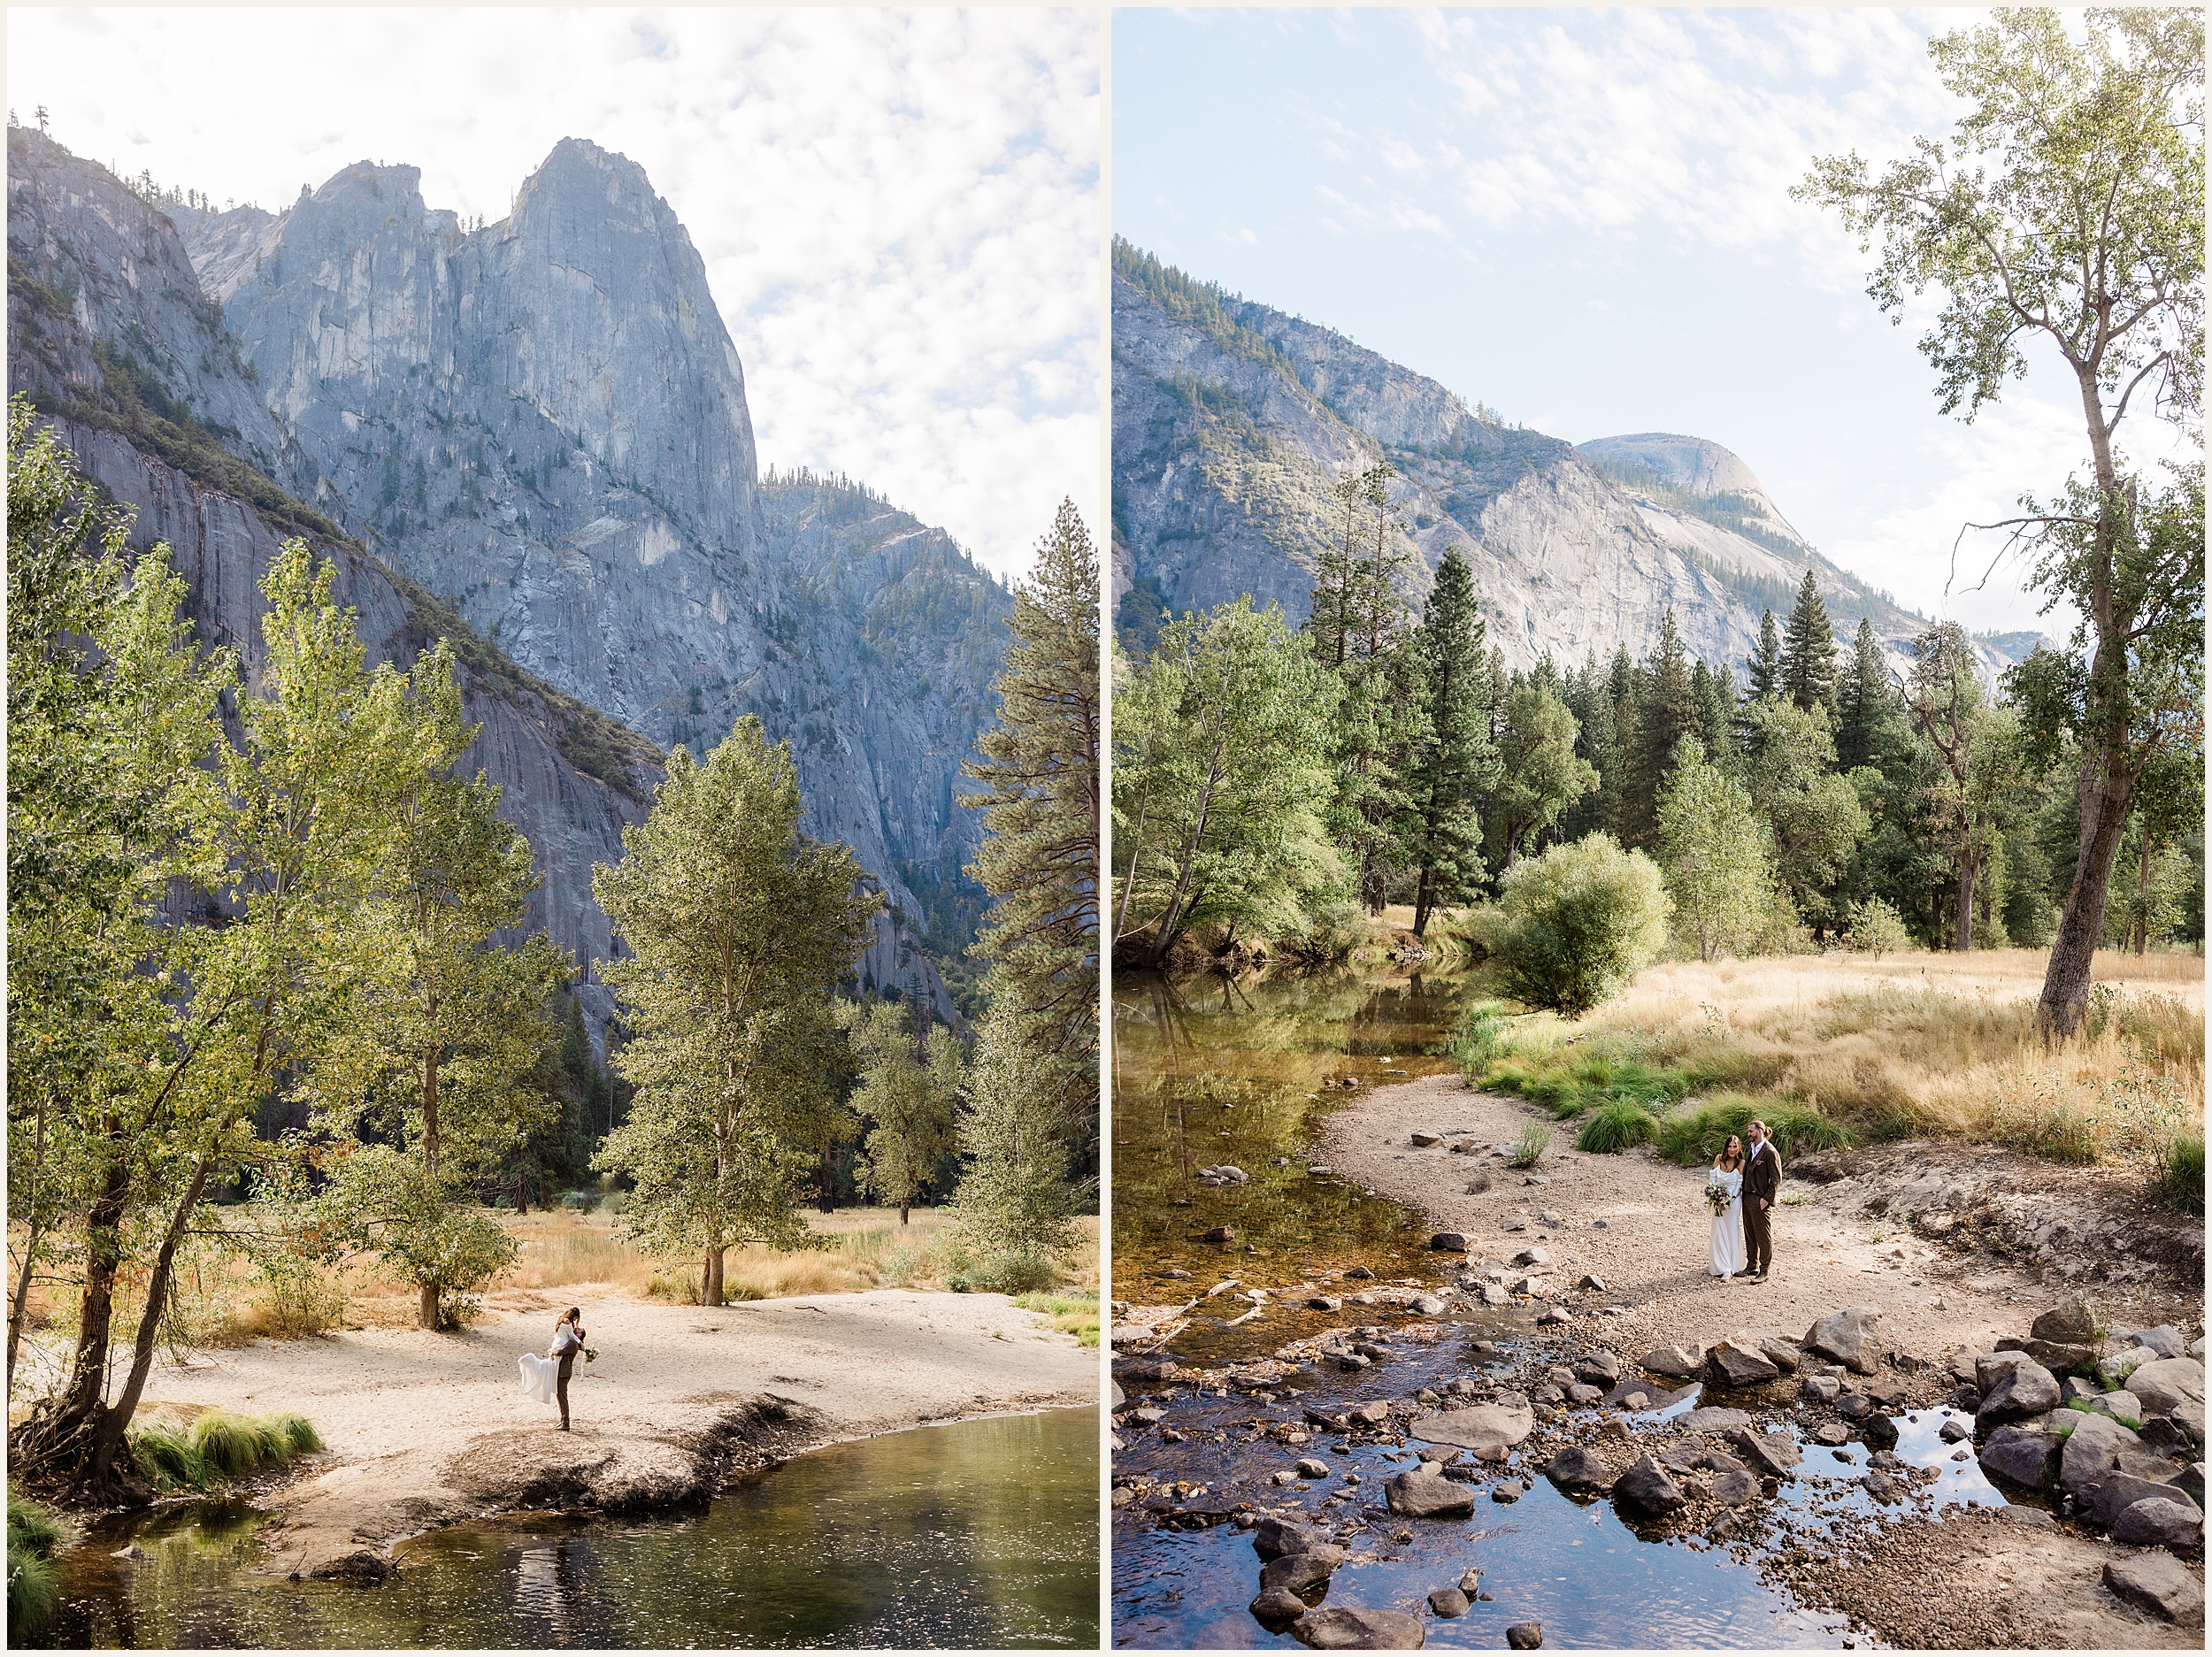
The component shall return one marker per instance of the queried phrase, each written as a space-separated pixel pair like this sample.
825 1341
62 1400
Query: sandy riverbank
423 1430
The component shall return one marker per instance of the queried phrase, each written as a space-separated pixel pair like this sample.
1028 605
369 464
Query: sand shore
423 1430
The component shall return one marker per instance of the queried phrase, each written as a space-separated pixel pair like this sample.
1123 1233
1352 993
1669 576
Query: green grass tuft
232 1445
1695 1136
32 1588
1617 1126
168 1459
299 1433
2180 1173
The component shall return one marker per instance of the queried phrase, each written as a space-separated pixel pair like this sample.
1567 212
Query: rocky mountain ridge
535 432
1232 421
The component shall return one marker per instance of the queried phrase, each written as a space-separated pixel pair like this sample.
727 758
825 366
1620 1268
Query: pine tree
1765 664
1666 712
1589 700
1809 651
1716 693
1039 859
1867 707
1455 760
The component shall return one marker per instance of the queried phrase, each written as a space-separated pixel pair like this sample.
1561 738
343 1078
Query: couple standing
546 1379
1743 1224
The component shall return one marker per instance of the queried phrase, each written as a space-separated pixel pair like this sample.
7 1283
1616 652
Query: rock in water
1450 1242
1679 1361
1574 1468
1879 1431
1419 1495
1356 1627
2157 1583
1849 1337
1448 1602
1733 1490
1820 1389
1713 1418
1301 1572
1783 1354
1729 1364
1488 1430
1647 1487
1772 1454
1277 1607
1272 1537
1525 1636
1597 1369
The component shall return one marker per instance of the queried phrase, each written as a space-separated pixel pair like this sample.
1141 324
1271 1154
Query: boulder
1510 1490
1831 1433
1356 1627
1771 1454
1597 1369
1447 1602
2114 1370
1523 1636
1574 1468
1272 1537
1301 1573
1313 1466
2165 1341
2058 1356
1488 1430
1580 1394
1783 1354
2163 1436
1854 1406
1879 1431
2112 1497
2124 1406
1712 1418
1428 1305
2071 1322
2156 1582
2021 1456
2164 1383
1276 1606
2189 1415
1423 1141
1820 1389
1733 1490
1418 1495
2093 1451
1952 1431
1532 1257
2022 1389
1679 1361
1450 1242
1647 1487
1731 1364
1850 1338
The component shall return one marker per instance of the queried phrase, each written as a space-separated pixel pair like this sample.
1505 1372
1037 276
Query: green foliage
1020 1272
1453 758
167 1458
1808 677
1573 926
381 1198
34 1590
2179 1174
1617 1126
230 1445
1718 860
1014 1197
1813 816
1480 1040
908 1093
1539 774
1876 929
1529 1149
1693 1136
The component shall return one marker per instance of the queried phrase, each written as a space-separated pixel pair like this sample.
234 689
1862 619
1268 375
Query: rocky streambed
1394 1484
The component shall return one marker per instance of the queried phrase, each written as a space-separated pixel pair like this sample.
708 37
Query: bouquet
591 1355
1717 1197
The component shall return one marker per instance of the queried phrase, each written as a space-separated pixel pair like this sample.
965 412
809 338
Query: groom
1762 1183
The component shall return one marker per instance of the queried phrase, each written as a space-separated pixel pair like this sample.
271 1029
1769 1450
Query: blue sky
1581 218
899 210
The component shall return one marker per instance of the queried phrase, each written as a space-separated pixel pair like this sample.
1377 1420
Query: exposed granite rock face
1231 421
544 422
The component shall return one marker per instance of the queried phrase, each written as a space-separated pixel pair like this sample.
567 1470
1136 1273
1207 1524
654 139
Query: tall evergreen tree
1588 699
1765 663
1454 759
1039 769
1715 692
1666 712
1809 651
1867 709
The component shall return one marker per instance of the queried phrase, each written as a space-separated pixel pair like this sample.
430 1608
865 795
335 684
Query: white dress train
537 1378
1728 1249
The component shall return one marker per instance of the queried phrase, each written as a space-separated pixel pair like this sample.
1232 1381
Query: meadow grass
1075 1314
1826 1047
215 1446
34 1590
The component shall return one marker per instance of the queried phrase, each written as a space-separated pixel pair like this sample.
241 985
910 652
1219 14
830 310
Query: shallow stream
1247 1073
979 1534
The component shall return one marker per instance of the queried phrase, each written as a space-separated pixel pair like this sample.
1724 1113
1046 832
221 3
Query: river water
978 1534
1247 1072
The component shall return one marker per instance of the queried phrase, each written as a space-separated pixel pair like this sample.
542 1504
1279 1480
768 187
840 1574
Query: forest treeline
268 985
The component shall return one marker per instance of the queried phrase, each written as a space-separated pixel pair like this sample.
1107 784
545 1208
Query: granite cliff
533 434
1232 421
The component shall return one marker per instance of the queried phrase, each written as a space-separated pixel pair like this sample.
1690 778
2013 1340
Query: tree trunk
427 1306
117 1417
60 1441
901 1213
2064 1002
1965 943
19 1301
2143 898
711 1279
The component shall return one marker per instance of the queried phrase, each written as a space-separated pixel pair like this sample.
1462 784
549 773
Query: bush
2180 1174
1533 1143
33 1592
1617 1126
1693 1137
2047 1123
1573 926
1481 1040
1876 929
1017 1273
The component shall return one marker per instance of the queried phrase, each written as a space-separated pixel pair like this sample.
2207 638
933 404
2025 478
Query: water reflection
981 1534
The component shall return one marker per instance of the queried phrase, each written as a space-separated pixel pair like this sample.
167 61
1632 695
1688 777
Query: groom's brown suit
1762 1183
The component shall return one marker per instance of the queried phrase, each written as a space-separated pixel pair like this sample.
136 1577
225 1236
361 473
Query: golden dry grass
1933 1042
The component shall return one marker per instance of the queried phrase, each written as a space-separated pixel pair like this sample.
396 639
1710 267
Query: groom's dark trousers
1761 1183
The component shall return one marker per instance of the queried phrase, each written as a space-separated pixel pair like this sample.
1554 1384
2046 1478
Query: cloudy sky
899 210
1582 219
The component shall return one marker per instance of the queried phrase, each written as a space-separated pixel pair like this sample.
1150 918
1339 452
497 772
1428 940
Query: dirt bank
426 1430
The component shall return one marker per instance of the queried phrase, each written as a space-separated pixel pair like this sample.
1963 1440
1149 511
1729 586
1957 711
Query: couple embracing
1741 1189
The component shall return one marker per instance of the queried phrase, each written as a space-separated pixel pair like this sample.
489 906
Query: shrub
1534 1142
2047 1122
232 1445
1016 1273
33 1593
1876 929
1696 1136
2180 1174
1481 1040
1617 1126
1573 926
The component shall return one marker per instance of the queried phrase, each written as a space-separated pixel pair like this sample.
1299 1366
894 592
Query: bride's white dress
538 1377
1728 1251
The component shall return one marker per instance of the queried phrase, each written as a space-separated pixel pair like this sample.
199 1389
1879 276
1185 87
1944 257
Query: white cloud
898 211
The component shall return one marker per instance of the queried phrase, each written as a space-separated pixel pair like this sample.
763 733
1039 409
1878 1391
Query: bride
539 1375
1727 1173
